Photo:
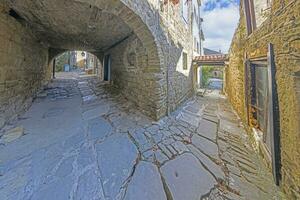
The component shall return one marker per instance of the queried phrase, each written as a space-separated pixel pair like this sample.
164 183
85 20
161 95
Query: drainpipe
168 101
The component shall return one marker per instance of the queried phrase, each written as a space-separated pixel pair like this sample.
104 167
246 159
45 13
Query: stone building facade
21 72
149 45
197 28
275 22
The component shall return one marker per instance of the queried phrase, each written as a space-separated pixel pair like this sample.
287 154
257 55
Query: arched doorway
75 63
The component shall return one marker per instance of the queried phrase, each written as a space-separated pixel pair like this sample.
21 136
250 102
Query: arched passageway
81 139
38 31
209 71
77 63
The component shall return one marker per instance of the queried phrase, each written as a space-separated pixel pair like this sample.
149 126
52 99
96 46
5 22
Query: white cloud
219 25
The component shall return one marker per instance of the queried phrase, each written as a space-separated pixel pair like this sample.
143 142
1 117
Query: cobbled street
81 139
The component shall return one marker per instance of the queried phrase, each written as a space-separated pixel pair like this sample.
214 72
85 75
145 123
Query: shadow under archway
102 28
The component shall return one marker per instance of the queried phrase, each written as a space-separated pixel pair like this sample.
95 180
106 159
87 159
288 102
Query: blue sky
213 4
220 20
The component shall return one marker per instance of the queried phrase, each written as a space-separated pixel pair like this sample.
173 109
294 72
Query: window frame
250 16
273 126
184 60
186 20
195 44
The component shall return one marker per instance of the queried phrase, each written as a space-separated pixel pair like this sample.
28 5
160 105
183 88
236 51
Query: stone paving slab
117 165
208 147
95 112
187 171
88 187
208 129
209 164
85 141
146 183
98 129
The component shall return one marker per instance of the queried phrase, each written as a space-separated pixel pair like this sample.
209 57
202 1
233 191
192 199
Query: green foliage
207 73
61 61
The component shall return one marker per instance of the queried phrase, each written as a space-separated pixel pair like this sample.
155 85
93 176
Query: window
262 105
256 12
185 10
250 16
184 61
261 10
258 97
195 44
196 16
261 90
257 76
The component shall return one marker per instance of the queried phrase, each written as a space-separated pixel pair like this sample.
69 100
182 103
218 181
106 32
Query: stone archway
100 27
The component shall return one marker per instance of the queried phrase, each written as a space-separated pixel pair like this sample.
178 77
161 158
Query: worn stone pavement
82 140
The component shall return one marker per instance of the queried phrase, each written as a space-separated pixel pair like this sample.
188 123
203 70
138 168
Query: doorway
107 64
259 100
263 107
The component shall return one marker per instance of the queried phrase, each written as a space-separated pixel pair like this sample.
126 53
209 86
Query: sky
220 21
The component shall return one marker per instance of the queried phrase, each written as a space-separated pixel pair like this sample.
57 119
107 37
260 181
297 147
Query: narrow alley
149 100
82 140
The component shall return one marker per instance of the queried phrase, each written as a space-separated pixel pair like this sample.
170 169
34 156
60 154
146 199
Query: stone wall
23 67
282 28
158 83
180 40
129 73
162 90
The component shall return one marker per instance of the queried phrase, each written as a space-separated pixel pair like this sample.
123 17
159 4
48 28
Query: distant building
81 59
207 51
87 62
92 64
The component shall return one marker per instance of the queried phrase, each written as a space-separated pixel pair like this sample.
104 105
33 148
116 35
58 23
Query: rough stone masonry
282 28
145 52
108 150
